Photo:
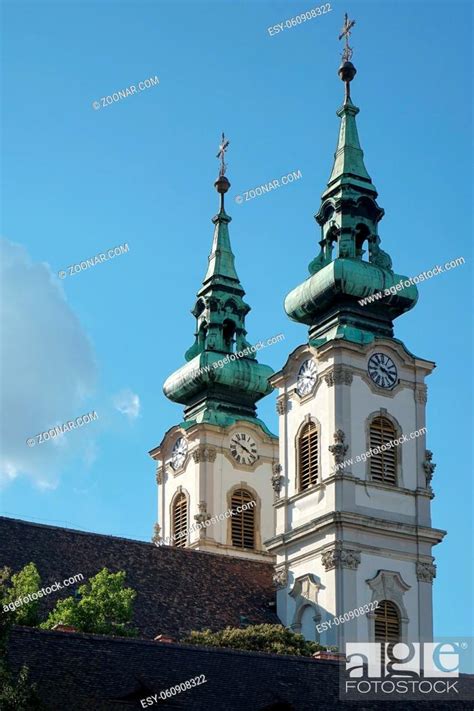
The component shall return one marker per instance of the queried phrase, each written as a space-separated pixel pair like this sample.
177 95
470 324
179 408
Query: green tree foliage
16 693
103 606
274 639
22 584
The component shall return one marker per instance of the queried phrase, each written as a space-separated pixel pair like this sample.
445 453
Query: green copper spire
211 391
221 260
349 157
328 302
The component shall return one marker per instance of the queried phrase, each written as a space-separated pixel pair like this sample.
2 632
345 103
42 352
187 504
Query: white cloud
47 371
127 403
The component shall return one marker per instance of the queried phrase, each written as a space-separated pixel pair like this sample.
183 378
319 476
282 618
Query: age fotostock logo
401 668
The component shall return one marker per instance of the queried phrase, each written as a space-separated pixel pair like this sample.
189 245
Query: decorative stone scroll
204 453
339 557
339 449
277 479
203 515
421 393
425 571
156 538
280 578
338 375
428 466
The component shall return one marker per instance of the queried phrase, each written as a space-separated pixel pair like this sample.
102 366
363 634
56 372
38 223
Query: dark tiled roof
178 590
93 673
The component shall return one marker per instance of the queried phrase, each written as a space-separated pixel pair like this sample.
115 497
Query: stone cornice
293 362
354 522
408 359
362 548
348 477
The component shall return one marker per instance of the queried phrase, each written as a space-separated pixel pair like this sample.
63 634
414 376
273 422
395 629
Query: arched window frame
229 328
178 493
389 585
397 433
305 591
307 421
257 509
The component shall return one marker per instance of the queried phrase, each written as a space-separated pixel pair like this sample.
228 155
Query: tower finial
221 154
346 33
222 184
347 71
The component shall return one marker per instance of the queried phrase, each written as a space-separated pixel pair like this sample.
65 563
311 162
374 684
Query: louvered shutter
180 521
383 466
243 522
387 622
308 456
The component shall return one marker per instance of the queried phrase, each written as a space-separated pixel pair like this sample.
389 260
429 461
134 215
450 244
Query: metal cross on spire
222 149
346 33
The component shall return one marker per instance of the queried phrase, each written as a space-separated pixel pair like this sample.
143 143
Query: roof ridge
174 645
176 551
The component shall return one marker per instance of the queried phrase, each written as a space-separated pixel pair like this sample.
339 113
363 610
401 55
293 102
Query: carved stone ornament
339 374
159 475
339 557
281 405
202 516
425 572
204 453
277 479
306 587
389 585
339 449
428 466
156 538
421 393
280 578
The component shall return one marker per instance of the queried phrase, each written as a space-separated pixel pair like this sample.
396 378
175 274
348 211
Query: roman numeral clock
243 448
382 370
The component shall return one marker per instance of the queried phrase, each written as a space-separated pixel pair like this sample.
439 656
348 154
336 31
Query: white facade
208 476
348 541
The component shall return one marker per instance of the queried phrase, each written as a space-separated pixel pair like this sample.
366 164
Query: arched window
383 464
387 622
243 522
308 456
180 521
228 332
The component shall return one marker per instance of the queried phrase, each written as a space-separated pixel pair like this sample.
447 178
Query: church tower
353 523
220 458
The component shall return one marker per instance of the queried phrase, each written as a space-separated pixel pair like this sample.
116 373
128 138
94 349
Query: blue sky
79 181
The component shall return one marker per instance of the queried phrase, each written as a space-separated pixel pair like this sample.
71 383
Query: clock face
382 370
243 448
306 377
179 453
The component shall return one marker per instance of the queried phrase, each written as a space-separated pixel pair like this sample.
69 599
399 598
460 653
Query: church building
340 501
328 520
